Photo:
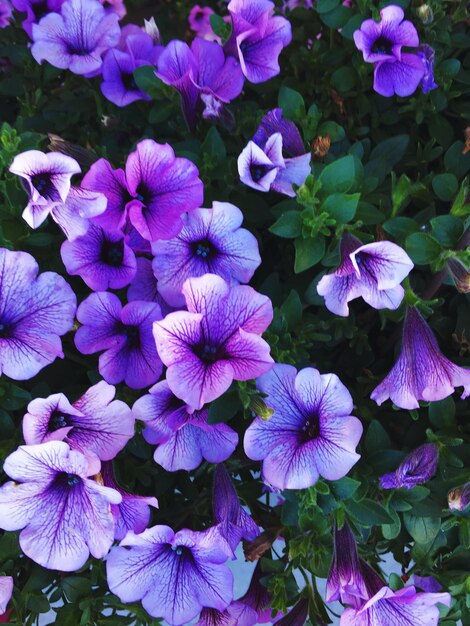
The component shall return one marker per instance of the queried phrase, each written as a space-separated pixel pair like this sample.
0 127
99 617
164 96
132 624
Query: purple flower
101 257
144 286
63 515
254 606
174 574
418 467
298 615
6 591
426 54
35 9
405 607
76 38
216 341
381 43
234 523
94 423
73 216
133 513
257 38
35 311
5 16
125 335
183 435
274 122
459 498
115 6
200 22
311 433
213 617
345 579
211 241
372 271
427 583
422 372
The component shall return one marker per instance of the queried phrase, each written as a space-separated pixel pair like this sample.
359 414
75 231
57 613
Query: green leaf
344 488
447 229
291 103
376 438
213 148
76 587
224 408
423 248
402 189
308 252
385 156
461 207
442 413
391 531
448 69
324 6
292 310
146 80
341 206
445 186
400 227
343 79
289 225
422 529
339 176
220 27
369 513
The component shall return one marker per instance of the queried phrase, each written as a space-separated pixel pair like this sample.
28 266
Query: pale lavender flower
211 241
63 515
74 215
421 372
5 15
312 432
416 468
216 341
35 10
372 271
345 579
35 311
6 591
174 574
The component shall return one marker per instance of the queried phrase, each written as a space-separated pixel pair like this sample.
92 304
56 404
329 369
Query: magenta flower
421 372
418 467
5 16
381 43
216 341
6 591
101 257
94 423
125 335
35 311
211 241
200 23
174 574
311 433
372 271
35 10
63 515
144 286
183 436
345 579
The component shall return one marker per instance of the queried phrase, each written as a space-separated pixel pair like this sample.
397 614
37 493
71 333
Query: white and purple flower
416 468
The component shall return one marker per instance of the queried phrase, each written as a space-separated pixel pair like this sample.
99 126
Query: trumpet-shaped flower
6 591
418 467
345 579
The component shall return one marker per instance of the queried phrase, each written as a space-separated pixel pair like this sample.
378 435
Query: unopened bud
460 274
151 29
459 497
260 408
425 13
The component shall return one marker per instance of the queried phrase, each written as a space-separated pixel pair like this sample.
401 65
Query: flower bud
259 407
425 14
460 274
151 29
459 497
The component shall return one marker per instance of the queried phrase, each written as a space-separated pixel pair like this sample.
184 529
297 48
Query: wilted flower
417 468
372 271
345 580
460 274
426 54
35 10
311 433
63 515
211 241
421 372
6 591
174 574
35 311
459 497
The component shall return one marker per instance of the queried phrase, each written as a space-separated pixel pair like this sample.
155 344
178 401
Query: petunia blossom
254 606
421 372
311 433
63 515
35 10
200 23
125 335
211 241
77 37
372 271
416 468
144 286
213 617
216 341
35 311
184 437
345 580
6 591
96 422
115 6
5 17
174 574
426 54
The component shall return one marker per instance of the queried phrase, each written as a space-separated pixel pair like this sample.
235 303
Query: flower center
258 171
4 331
133 336
142 194
207 353
112 253
58 420
43 184
129 83
202 249
311 429
73 479
382 45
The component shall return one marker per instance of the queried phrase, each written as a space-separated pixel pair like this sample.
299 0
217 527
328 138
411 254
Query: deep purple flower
94 423
345 580
6 591
35 10
35 311
211 241
133 513
311 433
125 335
76 38
381 43
233 521
254 606
183 436
458 498
372 271
416 468
427 583
174 574
298 614
275 122
5 16
426 54
144 286
101 257
213 617
62 514
216 341
257 38
421 372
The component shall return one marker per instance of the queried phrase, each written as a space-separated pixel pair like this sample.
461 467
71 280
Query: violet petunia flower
216 341
144 286
73 216
211 241
345 580
125 335
254 606
6 591
35 311
421 372
311 433
63 515
372 271
133 513
417 467
77 38
257 38
5 17
115 6
213 617
426 54
35 10
381 43
427 583
234 523
183 436
199 20
101 257
95 423
174 574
